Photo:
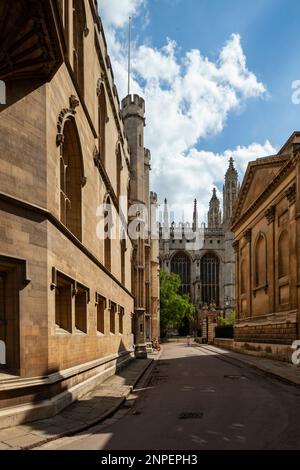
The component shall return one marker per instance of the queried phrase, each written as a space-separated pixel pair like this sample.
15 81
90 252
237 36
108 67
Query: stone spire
166 216
195 216
230 190
214 214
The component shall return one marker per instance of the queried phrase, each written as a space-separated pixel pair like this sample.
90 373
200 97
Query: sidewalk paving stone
92 408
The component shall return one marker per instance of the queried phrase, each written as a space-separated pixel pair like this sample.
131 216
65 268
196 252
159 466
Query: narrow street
197 399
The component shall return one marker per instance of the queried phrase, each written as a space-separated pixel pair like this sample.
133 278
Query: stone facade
203 255
66 296
266 227
145 280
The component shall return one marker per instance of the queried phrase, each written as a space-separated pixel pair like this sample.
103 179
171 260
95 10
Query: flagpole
129 54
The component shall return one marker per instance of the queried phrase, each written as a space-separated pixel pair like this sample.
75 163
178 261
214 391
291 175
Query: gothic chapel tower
230 191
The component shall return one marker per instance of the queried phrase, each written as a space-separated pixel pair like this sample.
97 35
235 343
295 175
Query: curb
84 427
267 372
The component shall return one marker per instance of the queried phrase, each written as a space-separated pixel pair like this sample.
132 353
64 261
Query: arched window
181 265
78 41
107 233
243 277
102 119
283 255
260 260
123 251
210 267
119 170
71 177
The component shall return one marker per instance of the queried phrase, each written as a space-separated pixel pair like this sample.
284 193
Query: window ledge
80 333
61 331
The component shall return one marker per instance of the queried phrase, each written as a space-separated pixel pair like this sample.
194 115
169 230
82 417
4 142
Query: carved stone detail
96 157
270 214
64 115
74 102
236 245
290 194
247 235
100 82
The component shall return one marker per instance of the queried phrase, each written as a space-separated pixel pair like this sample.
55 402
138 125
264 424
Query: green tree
229 320
173 307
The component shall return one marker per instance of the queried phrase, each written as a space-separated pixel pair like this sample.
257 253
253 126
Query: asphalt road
195 399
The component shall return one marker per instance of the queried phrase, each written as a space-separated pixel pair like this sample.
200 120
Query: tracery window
210 279
181 265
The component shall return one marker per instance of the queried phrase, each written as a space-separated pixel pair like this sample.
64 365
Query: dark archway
210 279
181 265
71 179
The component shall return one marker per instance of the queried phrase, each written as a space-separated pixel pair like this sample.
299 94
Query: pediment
258 176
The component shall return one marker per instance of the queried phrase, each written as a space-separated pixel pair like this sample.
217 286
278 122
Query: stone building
202 254
267 234
145 272
67 304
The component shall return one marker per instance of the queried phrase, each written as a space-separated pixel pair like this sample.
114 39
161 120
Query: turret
166 217
133 114
230 190
214 214
195 216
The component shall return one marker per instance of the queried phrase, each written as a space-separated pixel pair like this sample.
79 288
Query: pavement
198 397
98 405
115 401
283 371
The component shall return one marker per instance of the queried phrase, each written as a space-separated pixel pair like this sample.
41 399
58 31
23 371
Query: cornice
279 177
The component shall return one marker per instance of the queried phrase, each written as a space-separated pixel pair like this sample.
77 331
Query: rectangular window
121 320
113 309
101 306
81 301
63 303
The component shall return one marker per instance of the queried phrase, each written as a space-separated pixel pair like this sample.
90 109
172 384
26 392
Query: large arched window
181 265
102 120
210 279
107 233
283 255
260 260
71 178
78 41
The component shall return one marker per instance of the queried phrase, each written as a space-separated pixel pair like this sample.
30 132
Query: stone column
247 236
270 216
290 194
236 247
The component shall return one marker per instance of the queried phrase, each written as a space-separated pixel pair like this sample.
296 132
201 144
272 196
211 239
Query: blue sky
251 123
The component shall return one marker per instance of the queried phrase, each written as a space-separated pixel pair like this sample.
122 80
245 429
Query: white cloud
116 12
188 98
195 175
